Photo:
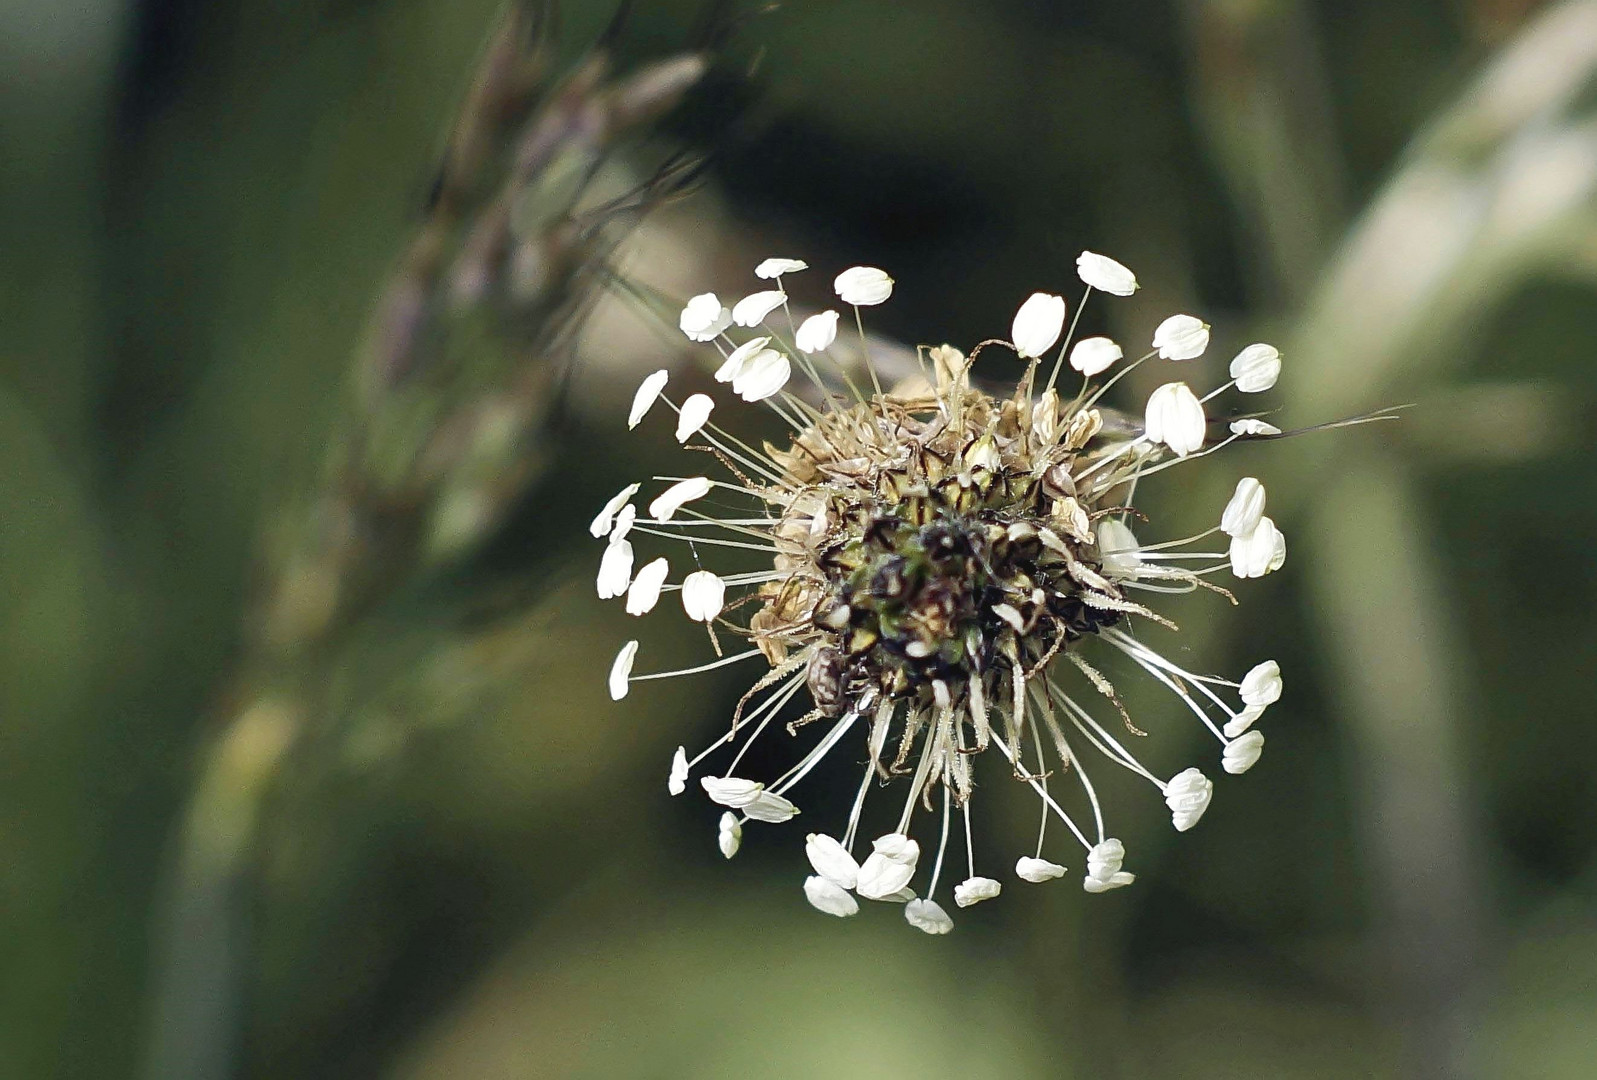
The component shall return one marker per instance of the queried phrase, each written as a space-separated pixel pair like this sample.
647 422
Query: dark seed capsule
889 582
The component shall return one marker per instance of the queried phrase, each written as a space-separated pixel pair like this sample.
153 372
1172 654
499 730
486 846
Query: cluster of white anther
758 369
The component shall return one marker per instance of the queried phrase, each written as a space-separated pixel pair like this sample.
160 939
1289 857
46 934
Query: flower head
945 573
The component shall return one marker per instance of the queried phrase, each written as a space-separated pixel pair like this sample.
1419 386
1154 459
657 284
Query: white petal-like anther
889 866
601 523
896 846
729 834
703 595
677 496
974 890
1252 552
1242 513
880 877
644 399
829 897
1187 795
695 412
1174 416
752 309
1262 684
928 916
770 807
1181 337
863 286
1117 547
1243 720
644 592
621 670
615 569
731 790
1103 885
677 782
763 374
1242 753
704 318
831 860
738 357
1037 870
1103 861
1105 275
816 332
623 523
1253 426
1256 368
1094 355
1038 324
775 267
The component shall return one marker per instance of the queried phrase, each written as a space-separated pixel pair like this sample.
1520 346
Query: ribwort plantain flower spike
952 578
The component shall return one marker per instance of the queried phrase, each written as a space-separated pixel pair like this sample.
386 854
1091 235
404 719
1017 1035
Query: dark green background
478 873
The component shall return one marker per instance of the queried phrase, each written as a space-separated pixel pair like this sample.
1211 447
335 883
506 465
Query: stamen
915 786
1046 798
769 708
723 662
1070 334
970 848
878 739
865 350
942 845
800 771
1103 742
710 541
1196 709
1121 374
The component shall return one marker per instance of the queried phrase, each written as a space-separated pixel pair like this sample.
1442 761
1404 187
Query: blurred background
306 764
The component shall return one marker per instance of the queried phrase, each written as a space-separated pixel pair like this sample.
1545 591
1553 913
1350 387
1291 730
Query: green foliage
306 767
